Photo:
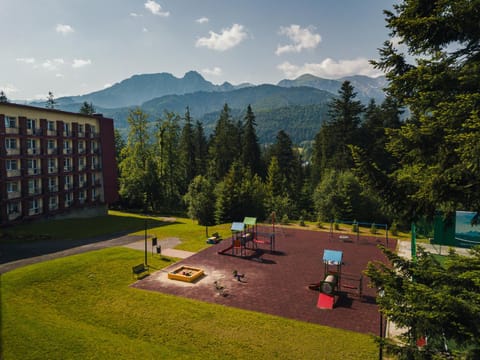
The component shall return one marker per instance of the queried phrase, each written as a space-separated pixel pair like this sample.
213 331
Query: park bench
139 269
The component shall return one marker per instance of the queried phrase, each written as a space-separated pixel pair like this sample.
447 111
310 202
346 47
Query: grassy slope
81 307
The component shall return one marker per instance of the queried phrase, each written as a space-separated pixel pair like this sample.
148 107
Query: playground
276 279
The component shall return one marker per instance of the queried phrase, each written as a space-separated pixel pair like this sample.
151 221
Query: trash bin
159 249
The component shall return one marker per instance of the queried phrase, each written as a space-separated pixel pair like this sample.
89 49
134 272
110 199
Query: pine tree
51 102
187 151
87 108
3 97
250 146
201 148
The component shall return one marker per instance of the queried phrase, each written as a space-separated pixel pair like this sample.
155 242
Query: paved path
26 254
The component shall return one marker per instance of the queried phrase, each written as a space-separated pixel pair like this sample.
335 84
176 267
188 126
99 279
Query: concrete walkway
49 249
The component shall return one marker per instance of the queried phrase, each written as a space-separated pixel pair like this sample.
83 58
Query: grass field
81 307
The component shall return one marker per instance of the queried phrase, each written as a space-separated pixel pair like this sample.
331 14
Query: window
52 165
12 165
82 195
33 186
13 208
12 187
31 124
68 199
66 147
68 182
66 129
10 122
67 164
52 184
51 144
81 147
10 143
52 202
81 163
31 144
34 206
51 126
81 129
32 164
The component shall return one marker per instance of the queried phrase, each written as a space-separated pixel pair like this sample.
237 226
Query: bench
140 269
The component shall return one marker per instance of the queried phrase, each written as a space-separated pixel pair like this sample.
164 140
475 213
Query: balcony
81 201
53 188
52 169
33 151
51 151
68 186
34 211
67 168
34 171
13 151
81 134
67 151
68 203
53 206
13 173
51 132
34 191
81 150
67 133
13 194
13 215
11 130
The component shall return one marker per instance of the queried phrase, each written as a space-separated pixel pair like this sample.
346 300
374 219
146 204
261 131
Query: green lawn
81 307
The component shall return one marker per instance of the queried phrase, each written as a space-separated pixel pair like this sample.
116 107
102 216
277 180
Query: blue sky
73 47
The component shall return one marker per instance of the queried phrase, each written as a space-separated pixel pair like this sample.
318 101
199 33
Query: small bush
373 229
336 226
302 222
355 226
285 220
394 229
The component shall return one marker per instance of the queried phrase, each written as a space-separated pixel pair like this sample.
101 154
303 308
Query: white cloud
26 60
64 29
52 64
330 68
79 63
202 20
155 8
8 89
58 75
133 14
216 71
227 39
303 38
107 86
145 30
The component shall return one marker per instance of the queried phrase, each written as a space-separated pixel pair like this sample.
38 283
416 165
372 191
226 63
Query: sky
74 47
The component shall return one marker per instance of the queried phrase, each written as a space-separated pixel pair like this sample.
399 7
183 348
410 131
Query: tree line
170 165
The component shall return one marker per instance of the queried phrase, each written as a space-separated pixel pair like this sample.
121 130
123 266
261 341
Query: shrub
285 220
355 226
394 229
336 226
373 229
302 221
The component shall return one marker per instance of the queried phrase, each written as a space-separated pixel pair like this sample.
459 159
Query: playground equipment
335 280
185 273
354 234
332 262
214 239
246 239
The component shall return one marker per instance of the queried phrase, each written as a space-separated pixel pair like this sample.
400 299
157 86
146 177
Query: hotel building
54 163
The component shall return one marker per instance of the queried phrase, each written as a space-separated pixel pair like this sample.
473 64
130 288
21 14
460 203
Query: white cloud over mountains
202 20
226 39
156 9
215 71
79 63
330 69
302 38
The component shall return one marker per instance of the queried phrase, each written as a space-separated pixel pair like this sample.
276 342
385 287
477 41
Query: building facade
54 163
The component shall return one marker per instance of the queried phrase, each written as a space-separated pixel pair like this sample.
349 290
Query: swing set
354 234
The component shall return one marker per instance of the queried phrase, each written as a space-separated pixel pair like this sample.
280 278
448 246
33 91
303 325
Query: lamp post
146 242
381 293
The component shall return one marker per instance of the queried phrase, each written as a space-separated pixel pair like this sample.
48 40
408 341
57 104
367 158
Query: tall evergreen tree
87 108
3 97
51 102
137 168
201 148
331 149
251 156
224 145
187 151
442 91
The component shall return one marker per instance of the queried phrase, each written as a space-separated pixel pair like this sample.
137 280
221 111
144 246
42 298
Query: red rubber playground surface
277 283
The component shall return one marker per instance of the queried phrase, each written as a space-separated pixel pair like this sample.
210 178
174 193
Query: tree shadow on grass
45 237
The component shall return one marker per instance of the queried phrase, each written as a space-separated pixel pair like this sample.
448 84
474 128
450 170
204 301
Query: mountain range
157 93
